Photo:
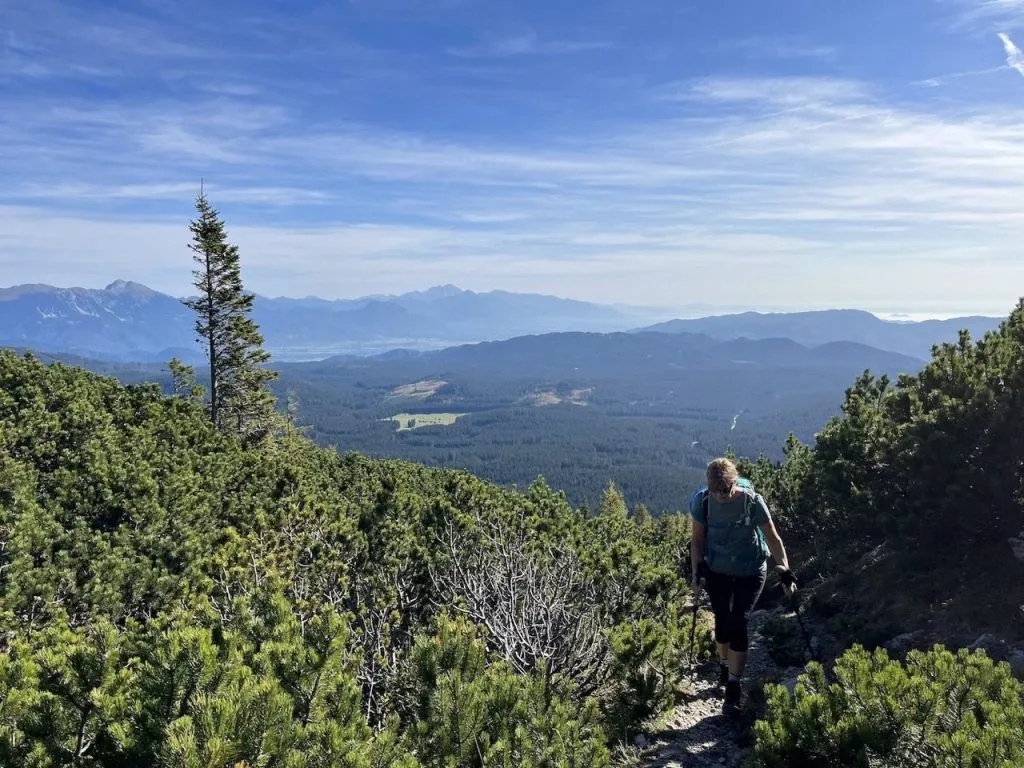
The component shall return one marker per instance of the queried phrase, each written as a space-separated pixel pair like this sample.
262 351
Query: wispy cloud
987 14
232 89
934 82
276 196
997 7
62 37
1014 55
528 43
766 91
782 48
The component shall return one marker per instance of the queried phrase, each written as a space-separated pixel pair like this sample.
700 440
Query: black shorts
733 599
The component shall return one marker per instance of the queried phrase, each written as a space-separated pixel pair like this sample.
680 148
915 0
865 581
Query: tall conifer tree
239 399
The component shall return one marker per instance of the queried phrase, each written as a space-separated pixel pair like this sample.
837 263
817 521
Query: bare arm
697 546
775 545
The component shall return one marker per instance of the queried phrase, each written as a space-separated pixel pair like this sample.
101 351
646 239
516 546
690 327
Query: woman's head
722 477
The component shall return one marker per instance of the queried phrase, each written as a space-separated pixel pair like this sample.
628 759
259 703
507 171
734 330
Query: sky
791 154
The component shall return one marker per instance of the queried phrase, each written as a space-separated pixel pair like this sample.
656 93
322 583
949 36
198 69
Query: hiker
733 534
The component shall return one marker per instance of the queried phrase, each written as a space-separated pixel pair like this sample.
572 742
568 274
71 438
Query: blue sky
770 153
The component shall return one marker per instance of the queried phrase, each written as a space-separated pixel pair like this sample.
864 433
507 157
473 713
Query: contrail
1014 55
933 82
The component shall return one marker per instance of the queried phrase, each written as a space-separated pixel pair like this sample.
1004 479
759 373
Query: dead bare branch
535 600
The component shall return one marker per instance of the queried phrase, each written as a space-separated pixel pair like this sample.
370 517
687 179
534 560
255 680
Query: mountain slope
643 410
281 605
123 317
821 327
625 356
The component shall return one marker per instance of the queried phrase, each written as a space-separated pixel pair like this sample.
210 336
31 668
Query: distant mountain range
128 322
821 327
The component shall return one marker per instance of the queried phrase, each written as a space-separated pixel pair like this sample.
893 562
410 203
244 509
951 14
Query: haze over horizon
653 312
803 155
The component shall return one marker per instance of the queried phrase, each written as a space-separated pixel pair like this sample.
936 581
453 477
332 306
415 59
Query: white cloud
675 269
1014 55
934 82
186 190
803 190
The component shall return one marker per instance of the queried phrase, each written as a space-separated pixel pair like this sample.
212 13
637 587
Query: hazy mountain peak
437 292
128 286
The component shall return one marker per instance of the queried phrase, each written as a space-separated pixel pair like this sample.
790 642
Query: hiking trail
697 734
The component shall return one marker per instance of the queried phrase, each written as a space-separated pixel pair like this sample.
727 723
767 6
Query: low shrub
937 709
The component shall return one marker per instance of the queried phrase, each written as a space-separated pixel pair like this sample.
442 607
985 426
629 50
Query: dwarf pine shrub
939 709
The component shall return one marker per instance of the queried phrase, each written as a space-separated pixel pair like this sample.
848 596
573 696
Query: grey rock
988 640
1016 661
900 645
874 557
993 645
640 741
1017 545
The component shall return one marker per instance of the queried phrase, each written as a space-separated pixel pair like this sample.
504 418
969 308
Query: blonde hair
722 476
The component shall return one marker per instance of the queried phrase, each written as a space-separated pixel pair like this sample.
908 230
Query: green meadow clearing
417 420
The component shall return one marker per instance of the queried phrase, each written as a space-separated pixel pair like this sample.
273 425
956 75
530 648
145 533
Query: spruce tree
239 399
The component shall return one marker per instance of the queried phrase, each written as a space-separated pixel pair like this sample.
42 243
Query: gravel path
698 734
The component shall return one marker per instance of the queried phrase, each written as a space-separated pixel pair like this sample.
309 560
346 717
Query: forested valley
643 411
186 579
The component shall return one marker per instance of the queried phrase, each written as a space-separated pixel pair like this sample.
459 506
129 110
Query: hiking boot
723 674
733 694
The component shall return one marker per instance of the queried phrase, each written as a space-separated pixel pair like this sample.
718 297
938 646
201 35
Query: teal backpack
757 536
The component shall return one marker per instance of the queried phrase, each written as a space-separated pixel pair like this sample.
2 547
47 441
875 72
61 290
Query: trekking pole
701 580
693 631
788 579
803 629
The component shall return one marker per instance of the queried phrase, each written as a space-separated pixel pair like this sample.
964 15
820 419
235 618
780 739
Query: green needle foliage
239 398
173 594
929 465
938 710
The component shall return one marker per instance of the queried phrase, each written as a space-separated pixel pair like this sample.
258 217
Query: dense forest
644 411
179 590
